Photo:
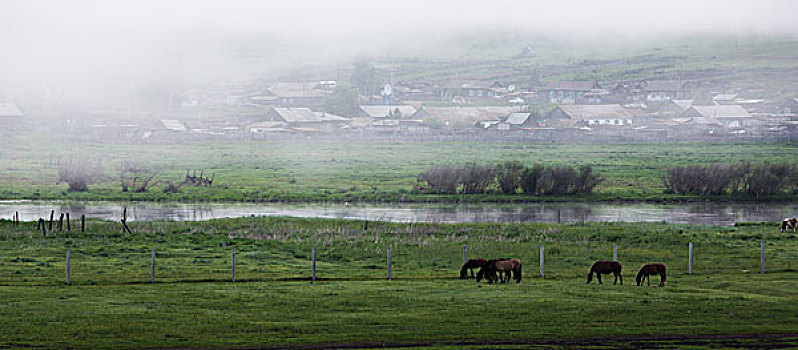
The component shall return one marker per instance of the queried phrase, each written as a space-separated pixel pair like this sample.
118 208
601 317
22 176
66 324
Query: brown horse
651 269
789 224
471 265
602 267
504 267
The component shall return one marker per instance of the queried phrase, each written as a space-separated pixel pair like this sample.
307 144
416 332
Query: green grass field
110 302
351 171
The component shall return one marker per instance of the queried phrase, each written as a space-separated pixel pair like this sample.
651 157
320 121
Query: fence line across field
206 264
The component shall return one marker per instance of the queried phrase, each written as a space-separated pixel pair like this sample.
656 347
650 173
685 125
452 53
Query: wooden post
690 258
152 267
69 226
52 213
67 266
61 222
83 223
44 227
542 260
313 264
465 254
762 257
125 228
389 261
16 218
233 259
614 252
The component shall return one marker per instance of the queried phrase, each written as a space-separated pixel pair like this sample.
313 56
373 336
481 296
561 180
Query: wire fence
54 265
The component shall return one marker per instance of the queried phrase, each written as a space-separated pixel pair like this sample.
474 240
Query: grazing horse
602 267
789 223
504 267
471 264
651 269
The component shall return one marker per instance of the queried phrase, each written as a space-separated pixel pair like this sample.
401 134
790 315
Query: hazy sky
153 40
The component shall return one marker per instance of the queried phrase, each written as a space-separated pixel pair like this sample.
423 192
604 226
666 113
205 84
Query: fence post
614 252
83 223
389 262
233 259
313 264
52 213
542 260
465 254
762 257
152 267
690 259
67 266
69 226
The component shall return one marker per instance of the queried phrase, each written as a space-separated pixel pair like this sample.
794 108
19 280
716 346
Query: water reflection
692 213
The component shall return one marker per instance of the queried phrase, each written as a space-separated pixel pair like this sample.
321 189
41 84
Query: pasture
351 171
193 302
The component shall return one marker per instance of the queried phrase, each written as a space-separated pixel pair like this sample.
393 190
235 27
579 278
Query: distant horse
651 269
471 265
789 224
504 267
602 267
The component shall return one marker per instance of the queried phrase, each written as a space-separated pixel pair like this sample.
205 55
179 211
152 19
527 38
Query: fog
85 48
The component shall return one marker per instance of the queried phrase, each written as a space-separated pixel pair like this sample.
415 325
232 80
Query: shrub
79 174
476 178
441 179
508 175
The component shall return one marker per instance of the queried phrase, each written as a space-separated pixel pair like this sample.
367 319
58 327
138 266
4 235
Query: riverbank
313 171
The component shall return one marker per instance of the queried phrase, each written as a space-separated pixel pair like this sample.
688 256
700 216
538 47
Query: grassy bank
110 301
354 171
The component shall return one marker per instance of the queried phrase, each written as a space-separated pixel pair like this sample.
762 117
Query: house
9 110
660 90
613 115
730 116
267 127
298 94
460 117
173 125
305 119
517 120
388 111
482 91
725 99
572 92
674 107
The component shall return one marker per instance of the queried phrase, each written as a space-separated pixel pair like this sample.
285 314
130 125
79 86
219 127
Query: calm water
692 213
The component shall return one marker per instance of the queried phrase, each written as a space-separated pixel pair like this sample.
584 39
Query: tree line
723 178
510 177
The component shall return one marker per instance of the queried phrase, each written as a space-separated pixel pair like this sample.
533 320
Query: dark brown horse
651 269
502 267
471 265
602 267
789 224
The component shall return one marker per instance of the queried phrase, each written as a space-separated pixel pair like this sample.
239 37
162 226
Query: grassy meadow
193 303
350 171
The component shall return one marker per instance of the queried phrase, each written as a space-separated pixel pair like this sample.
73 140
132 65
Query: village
662 108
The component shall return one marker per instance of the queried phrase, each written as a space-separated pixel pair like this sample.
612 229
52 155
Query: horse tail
663 274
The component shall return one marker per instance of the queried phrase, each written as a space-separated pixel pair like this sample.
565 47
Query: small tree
79 174
136 177
587 180
508 175
530 178
342 101
476 178
441 179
